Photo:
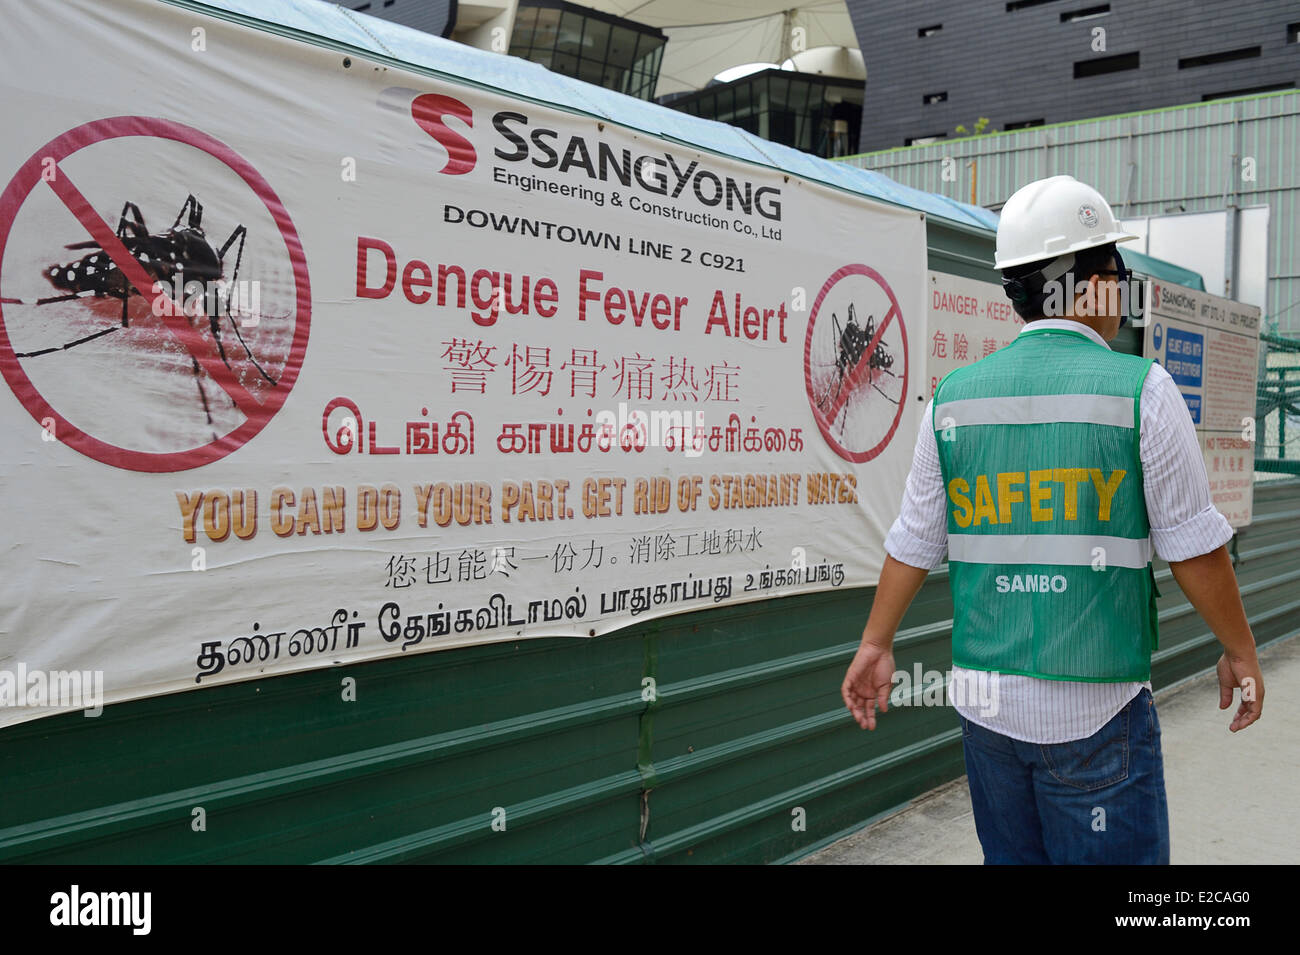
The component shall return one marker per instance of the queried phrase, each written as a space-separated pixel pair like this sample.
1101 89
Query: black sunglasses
1120 271
1123 277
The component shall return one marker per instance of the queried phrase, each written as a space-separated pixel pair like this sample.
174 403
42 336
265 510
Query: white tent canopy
707 36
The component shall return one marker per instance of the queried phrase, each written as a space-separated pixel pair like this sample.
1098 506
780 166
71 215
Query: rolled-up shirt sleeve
919 535
1184 521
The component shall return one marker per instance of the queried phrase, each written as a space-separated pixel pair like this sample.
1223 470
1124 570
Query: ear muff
1027 290
1016 291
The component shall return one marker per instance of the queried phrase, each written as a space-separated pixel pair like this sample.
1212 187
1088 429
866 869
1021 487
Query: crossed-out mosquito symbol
851 342
181 255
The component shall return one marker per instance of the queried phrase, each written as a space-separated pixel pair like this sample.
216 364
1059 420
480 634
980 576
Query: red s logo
428 111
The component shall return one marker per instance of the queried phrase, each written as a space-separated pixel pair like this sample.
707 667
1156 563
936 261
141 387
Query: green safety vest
1049 545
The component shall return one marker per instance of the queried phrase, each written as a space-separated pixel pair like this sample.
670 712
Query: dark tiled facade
432 16
934 64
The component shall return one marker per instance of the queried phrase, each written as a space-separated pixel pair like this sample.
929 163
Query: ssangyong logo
658 174
429 111
1165 297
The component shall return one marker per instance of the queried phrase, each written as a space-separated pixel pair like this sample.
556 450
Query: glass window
655 55
595 41
622 45
795 96
548 27
591 71
569 39
526 19
783 127
778 91
565 63
521 40
724 104
801 95
619 57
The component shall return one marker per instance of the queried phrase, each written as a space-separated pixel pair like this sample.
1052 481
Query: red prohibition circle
822 424
11 201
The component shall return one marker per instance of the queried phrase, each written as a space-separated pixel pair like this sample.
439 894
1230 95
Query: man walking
1049 471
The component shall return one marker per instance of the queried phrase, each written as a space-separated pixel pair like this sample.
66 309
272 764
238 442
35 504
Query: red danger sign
134 264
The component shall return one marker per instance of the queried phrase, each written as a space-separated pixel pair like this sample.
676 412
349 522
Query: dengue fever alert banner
309 360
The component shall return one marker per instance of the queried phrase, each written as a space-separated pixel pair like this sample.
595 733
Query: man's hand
1210 583
868 682
871 674
1246 675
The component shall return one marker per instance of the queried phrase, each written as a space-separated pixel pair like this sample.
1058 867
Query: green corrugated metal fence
548 750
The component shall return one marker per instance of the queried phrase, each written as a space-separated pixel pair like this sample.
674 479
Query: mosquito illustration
851 341
180 257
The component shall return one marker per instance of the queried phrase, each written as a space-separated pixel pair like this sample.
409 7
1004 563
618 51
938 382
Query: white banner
1210 347
416 365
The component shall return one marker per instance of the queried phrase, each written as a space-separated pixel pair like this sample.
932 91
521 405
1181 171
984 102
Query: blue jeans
1099 800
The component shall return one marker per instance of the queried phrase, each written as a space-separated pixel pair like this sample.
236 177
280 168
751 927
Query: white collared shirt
1184 524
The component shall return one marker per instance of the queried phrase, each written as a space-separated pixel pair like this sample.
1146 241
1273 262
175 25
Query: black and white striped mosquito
851 341
189 268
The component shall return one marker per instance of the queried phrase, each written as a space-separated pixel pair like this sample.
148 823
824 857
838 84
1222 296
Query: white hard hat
1051 217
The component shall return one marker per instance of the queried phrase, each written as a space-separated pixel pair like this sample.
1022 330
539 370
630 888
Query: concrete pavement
1234 798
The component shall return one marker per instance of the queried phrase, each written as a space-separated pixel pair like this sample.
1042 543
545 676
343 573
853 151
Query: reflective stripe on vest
1049 544
1037 409
1070 549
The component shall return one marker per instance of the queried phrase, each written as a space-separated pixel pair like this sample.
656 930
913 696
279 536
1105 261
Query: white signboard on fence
1210 347
308 362
968 320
